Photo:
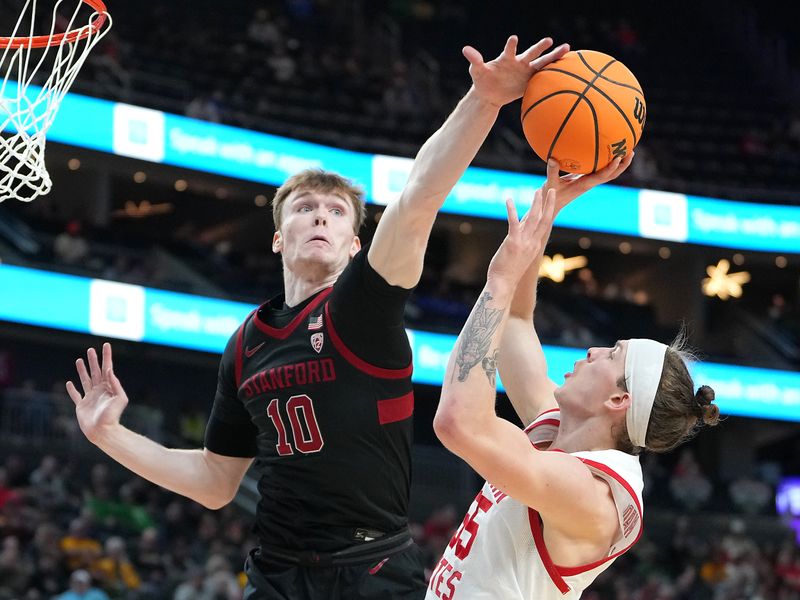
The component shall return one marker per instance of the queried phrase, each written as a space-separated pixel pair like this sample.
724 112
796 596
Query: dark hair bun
710 412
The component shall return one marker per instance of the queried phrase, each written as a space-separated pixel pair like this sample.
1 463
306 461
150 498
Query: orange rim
68 37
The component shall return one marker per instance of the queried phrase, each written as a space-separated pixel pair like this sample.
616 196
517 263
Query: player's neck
298 287
583 435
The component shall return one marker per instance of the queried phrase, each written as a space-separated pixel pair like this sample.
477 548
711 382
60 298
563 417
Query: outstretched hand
104 399
505 78
570 186
524 240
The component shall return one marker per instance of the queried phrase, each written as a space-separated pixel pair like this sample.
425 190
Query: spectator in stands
400 103
193 587
149 554
7 493
688 484
15 568
107 64
70 247
282 64
80 588
205 108
264 29
750 494
220 581
47 482
114 569
79 547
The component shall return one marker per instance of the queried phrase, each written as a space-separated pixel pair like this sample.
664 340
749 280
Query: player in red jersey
315 385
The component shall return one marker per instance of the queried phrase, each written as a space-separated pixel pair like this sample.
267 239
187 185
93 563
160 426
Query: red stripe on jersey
360 364
536 424
395 409
282 333
552 570
567 571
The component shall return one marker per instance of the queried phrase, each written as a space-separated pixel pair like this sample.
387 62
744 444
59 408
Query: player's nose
320 217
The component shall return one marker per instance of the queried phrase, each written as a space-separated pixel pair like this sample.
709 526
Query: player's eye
337 211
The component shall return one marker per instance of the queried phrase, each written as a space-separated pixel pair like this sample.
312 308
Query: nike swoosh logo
248 352
377 567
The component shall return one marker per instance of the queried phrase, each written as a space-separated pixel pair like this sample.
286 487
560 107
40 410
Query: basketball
583 110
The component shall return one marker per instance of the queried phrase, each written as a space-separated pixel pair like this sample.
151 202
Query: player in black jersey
315 385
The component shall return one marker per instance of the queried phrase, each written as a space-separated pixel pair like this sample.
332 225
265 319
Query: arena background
161 201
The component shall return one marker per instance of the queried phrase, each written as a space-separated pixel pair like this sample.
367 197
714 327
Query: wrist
501 289
474 95
102 435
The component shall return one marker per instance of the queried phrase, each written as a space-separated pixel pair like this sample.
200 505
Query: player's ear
355 246
277 242
619 401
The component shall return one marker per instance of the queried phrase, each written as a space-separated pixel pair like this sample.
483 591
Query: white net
35 81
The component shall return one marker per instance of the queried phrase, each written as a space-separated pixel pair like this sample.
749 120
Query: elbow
214 502
450 429
217 499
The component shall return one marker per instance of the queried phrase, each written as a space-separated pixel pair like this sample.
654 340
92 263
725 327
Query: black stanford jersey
321 395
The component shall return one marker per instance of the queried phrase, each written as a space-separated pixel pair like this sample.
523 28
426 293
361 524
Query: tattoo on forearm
489 365
476 338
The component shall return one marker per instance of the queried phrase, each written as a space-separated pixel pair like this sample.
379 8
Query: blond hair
326 182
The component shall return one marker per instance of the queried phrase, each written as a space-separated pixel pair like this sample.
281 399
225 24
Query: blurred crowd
378 76
73 528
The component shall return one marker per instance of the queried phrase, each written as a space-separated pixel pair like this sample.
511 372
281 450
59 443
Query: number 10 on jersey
305 430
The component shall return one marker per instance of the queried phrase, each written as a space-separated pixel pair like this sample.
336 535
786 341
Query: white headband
644 362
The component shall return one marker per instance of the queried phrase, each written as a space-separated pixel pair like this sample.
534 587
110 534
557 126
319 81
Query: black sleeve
368 314
229 431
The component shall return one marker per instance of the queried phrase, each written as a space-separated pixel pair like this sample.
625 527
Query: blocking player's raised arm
402 235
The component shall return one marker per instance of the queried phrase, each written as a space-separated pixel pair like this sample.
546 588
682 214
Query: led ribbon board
115 310
160 137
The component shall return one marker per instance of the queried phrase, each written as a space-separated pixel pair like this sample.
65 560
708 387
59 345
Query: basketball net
37 72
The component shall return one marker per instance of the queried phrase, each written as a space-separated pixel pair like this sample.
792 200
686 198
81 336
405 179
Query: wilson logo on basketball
630 518
619 149
639 111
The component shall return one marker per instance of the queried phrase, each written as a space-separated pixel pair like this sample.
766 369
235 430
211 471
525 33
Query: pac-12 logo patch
317 340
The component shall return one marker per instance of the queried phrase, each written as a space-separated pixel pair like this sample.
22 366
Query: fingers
73 392
605 174
94 367
551 56
535 51
474 57
510 49
547 216
552 174
513 219
83 374
532 214
113 382
108 366
626 162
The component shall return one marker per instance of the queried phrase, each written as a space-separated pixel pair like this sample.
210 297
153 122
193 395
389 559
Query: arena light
723 284
557 267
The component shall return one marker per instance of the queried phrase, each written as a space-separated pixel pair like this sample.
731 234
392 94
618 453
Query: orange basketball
584 110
